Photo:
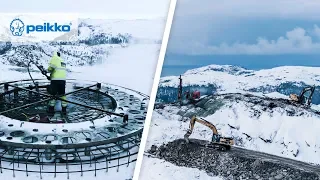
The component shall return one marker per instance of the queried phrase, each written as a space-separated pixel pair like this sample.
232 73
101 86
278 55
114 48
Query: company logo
17 27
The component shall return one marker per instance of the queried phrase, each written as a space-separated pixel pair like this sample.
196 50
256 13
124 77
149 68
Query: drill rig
304 98
190 97
217 142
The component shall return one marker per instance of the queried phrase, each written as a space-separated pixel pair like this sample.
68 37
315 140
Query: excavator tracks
242 152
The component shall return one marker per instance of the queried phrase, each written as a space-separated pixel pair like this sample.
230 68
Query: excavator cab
304 97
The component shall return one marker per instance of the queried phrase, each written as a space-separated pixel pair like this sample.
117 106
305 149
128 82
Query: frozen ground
162 169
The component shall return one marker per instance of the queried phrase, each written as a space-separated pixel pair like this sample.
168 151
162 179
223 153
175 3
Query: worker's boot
64 111
51 111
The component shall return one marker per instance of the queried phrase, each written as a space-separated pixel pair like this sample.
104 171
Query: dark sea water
177 64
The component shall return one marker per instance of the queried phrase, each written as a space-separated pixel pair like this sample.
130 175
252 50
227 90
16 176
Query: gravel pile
229 165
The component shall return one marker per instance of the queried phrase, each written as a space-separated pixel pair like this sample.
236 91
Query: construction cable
30 73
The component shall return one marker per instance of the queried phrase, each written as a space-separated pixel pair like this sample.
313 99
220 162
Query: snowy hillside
250 106
227 78
262 124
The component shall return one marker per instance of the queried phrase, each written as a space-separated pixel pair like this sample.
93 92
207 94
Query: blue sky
247 33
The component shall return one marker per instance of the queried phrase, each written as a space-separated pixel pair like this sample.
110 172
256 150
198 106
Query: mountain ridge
227 78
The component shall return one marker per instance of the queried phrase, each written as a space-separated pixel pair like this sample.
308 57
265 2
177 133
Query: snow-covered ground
156 169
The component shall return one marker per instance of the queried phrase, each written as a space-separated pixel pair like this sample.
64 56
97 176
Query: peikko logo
17 27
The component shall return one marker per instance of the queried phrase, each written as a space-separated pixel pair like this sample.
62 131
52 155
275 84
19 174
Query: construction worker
58 73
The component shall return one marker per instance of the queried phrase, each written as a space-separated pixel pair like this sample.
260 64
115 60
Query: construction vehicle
193 96
305 96
190 97
217 141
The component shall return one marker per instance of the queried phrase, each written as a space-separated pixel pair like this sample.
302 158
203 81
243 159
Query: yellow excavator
305 96
217 142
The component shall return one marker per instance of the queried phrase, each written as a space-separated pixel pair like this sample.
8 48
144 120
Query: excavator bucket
186 136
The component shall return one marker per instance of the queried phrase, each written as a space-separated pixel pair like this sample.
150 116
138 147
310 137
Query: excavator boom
222 143
203 122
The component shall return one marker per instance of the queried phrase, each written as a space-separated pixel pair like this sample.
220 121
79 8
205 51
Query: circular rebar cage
102 128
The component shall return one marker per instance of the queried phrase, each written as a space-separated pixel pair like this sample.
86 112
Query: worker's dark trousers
58 87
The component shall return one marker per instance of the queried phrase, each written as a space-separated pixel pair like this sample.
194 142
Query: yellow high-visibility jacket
57 68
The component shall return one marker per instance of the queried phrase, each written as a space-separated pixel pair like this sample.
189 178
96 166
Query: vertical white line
156 80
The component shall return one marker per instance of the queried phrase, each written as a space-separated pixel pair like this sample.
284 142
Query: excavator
217 142
304 98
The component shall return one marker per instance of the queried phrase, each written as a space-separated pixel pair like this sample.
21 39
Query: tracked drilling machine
190 97
217 142
304 98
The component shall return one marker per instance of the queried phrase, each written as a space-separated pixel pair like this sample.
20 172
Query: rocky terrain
229 165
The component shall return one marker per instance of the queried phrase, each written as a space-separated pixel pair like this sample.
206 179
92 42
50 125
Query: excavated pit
229 165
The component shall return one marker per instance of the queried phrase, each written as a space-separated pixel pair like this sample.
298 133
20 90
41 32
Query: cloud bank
296 41
301 9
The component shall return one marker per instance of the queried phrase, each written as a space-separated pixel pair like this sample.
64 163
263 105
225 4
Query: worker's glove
43 71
